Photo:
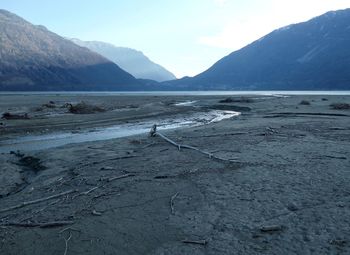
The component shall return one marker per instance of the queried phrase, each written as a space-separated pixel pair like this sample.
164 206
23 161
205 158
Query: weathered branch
66 242
38 224
216 135
120 177
271 228
100 186
153 132
172 203
200 242
23 204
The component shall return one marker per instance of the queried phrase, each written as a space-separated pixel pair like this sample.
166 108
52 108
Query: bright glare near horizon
184 36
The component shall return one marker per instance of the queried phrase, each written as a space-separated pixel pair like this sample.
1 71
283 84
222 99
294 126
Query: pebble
292 207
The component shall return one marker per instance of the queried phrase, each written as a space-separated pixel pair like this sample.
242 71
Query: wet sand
283 189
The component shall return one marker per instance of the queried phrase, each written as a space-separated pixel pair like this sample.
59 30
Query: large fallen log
153 132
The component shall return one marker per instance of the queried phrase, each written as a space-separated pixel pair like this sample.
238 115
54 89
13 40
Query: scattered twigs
39 211
85 192
271 130
70 229
172 199
96 213
100 186
66 240
148 145
88 191
38 224
200 242
104 161
120 177
153 132
106 194
23 204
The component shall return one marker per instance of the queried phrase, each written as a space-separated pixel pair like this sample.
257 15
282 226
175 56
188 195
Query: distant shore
186 92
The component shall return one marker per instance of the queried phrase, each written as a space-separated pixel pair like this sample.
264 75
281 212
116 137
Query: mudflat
278 181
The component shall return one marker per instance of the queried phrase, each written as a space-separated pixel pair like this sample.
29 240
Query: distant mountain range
132 61
313 55
33 58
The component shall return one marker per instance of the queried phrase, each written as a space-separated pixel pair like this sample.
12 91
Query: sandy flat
283 186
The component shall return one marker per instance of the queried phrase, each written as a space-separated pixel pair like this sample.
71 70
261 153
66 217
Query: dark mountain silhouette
33 58
132 61
313 55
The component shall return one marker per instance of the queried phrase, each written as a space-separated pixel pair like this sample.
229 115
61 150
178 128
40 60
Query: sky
184 36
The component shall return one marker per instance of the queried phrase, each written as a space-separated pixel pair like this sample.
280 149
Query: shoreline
186 93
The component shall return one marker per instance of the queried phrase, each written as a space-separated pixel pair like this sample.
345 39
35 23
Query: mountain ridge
131 60
34 58
305 56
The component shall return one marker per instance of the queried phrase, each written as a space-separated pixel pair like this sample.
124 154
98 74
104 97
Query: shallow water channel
46 141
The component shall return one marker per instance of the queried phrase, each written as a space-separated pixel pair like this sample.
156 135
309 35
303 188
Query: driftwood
38 224
96 213
70 229
100 186
40 210
66 240
85 192
120 177
200 242
297 114
23 204
153 132
172 203
271 228
88 191
216 135
148 145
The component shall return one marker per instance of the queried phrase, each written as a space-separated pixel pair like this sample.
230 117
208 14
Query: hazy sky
185 36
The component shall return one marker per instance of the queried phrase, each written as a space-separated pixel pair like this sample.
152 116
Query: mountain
132 61
33 58
313 55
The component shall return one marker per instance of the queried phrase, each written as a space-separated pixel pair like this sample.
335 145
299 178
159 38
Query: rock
305 102
340 204
340 106
338 242
237 100
292 207
84 108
